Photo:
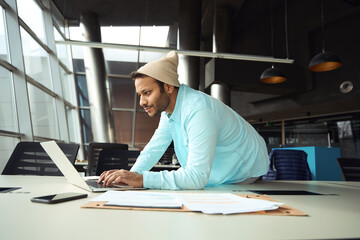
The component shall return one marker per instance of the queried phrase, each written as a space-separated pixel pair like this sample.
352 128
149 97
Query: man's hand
121 176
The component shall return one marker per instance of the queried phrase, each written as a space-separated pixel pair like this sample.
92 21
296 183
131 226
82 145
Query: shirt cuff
151 179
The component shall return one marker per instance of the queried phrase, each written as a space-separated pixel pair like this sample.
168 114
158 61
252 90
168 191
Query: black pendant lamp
324 61
273 74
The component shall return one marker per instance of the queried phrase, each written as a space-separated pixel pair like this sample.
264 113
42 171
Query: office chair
93 154
288 165
29 158
350 168
166 158
115 159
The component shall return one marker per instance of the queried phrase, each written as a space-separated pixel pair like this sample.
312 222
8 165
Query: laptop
72 175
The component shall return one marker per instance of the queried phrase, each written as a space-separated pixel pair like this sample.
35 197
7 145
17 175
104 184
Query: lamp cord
286 32
272 30
146 11
322 25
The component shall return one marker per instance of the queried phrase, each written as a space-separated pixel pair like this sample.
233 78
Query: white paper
224 203
209 203
139 199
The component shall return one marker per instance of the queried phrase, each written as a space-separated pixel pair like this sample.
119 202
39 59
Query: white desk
329 216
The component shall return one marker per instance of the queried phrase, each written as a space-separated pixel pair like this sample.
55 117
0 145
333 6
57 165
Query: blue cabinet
322 162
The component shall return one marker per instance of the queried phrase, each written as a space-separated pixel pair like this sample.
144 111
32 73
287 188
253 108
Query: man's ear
168 88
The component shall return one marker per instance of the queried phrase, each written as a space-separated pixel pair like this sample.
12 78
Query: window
123 122
61 50
30 103
155 36
36 60
123 93
58 19
120 35
67 84
3 39
132 124
43 114
8 120
85 122
120 61
71 119
144 128
82 91
6 148
30 12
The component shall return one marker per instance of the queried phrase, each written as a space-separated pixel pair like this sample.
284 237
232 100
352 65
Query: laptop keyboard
93 183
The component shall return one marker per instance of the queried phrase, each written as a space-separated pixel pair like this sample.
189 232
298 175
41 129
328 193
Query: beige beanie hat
164 69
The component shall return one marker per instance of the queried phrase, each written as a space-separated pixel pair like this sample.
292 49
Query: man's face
153 99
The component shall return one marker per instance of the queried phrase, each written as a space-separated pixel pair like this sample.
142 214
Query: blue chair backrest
288 165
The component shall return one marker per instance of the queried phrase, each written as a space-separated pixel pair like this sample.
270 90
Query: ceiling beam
232 56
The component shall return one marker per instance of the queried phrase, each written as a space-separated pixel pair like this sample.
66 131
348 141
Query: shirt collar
175 116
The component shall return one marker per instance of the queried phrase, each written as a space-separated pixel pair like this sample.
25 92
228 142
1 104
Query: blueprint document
209 203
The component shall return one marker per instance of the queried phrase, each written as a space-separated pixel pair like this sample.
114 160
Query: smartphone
8 189
57 198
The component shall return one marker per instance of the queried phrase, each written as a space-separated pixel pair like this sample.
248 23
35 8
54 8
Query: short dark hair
135 75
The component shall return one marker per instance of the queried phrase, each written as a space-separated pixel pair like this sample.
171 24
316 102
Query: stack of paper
213 203
138 199
224 203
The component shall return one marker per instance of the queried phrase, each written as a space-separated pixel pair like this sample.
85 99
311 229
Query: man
213 144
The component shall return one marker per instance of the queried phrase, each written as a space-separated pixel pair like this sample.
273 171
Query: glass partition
342 131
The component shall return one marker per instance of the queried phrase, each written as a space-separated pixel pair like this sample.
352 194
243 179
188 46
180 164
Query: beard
159 106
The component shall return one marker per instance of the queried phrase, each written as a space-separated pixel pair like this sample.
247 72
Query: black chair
115 159
29 158
93 154
288 165
166 158
350 168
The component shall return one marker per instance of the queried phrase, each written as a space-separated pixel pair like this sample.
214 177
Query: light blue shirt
213 144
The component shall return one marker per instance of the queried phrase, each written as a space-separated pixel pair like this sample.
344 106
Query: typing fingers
111 176
129 178
104 175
